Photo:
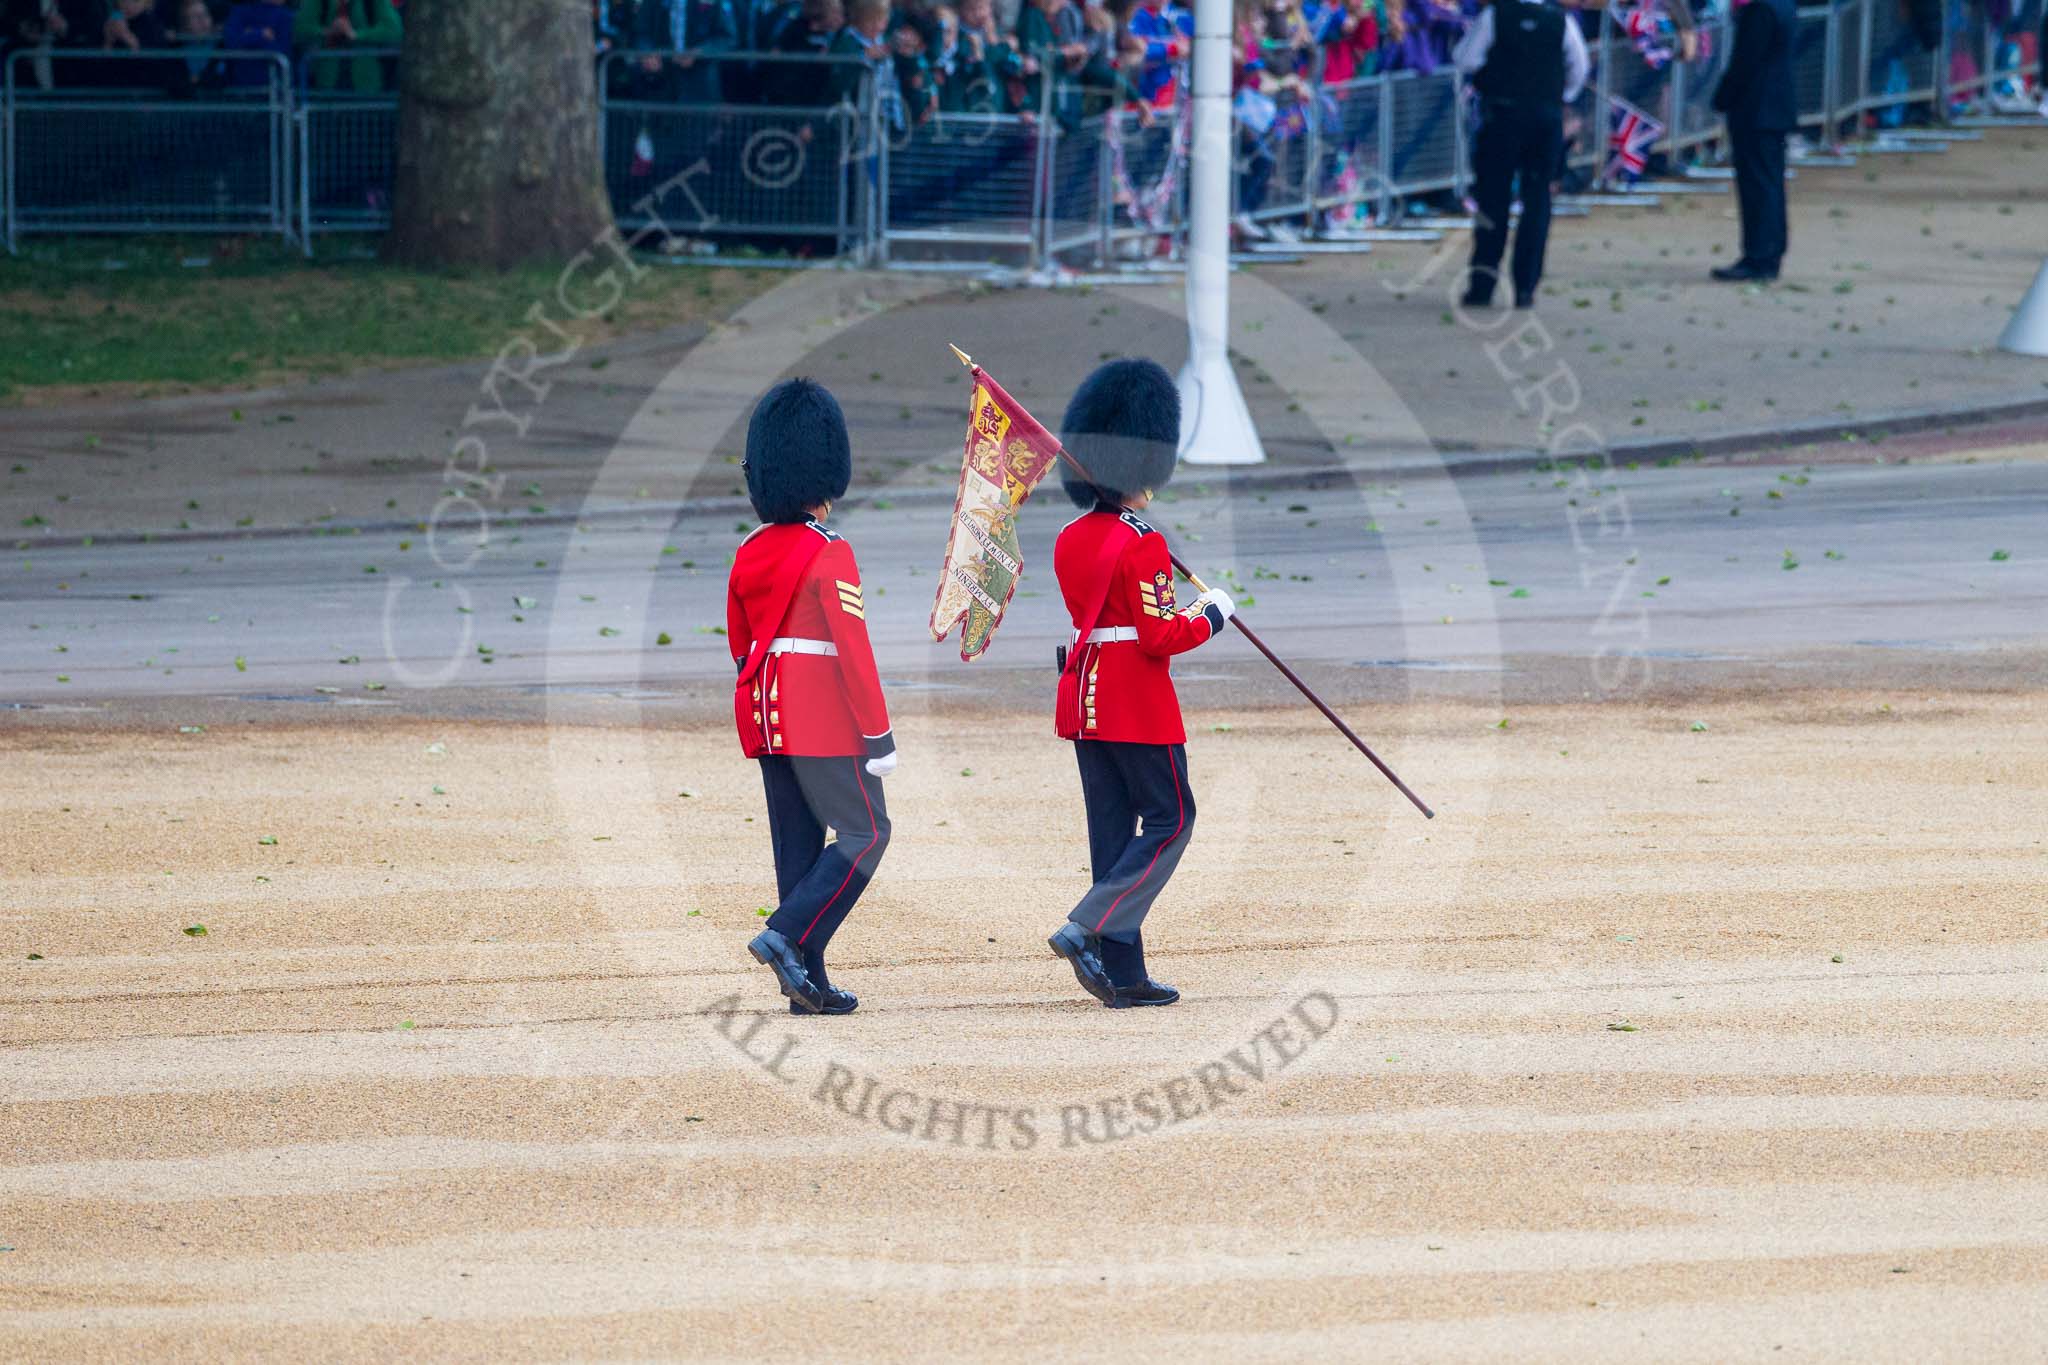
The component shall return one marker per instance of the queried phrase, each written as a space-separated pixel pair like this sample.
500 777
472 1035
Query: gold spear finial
965 359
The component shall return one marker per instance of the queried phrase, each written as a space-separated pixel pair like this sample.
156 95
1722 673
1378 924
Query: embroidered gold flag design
1007 453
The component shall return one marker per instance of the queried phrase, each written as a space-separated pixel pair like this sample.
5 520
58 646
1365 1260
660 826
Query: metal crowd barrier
203 141
1076 205
1356 145
145 142
1694 122
1814 73
1981 65
1585 122
725 178
964 188
1971 40
1426 150
1896 71
1644 83
2002 58
1144 209
347 126
1276 168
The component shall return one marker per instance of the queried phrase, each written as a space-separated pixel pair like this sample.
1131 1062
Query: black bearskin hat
1123 426
797 452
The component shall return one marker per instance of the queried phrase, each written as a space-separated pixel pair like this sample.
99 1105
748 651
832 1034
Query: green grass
155 315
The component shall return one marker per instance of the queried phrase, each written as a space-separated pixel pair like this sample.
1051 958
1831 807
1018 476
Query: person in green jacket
866 37
987 70
324 26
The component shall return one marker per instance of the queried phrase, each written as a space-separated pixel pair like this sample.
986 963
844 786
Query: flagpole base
2026 334
1215 424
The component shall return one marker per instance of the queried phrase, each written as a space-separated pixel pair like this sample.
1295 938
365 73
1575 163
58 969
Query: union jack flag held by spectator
1650 30
1630 135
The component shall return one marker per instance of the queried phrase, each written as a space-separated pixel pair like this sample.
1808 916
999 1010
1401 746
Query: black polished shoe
1745 272
1073 944
772 950
836 1002
1146 992
1475 298
1527 300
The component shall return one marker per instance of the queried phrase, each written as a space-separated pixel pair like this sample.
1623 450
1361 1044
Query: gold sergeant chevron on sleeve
850 599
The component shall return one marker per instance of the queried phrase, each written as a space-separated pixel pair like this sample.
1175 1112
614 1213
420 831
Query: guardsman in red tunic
808 703
1116 697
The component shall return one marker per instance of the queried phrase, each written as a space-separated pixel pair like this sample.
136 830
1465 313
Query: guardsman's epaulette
829 535
1136 523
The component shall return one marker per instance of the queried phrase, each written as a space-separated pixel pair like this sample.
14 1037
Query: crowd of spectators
989 56
967 56
191 45
918 59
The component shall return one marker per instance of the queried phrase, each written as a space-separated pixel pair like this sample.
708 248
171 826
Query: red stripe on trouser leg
860 776
1180 823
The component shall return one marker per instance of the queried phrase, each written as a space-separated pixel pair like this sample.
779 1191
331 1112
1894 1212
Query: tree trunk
497 135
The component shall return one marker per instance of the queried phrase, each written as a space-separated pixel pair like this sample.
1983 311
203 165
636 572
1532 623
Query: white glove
1219 599
883 766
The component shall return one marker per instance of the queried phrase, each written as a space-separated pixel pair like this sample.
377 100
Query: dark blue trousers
1516 142
819 883
1759 158
1141 814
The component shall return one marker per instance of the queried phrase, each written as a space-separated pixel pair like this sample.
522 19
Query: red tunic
1126 685
810 704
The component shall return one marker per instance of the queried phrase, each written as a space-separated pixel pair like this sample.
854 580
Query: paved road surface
1485 578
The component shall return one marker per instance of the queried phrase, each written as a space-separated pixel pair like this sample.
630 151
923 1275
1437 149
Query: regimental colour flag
1007 454
1630 135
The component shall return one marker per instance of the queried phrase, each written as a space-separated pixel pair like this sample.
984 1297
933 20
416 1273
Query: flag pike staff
1260 645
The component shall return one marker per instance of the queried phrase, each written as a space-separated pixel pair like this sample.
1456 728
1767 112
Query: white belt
1109 635
792 644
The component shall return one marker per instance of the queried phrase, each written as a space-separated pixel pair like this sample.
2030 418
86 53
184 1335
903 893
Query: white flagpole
1216 426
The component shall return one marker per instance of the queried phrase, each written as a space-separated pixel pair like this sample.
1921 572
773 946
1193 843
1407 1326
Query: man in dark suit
1761 104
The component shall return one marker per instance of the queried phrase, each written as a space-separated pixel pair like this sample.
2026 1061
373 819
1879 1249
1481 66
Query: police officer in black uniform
1527 60
1759 99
